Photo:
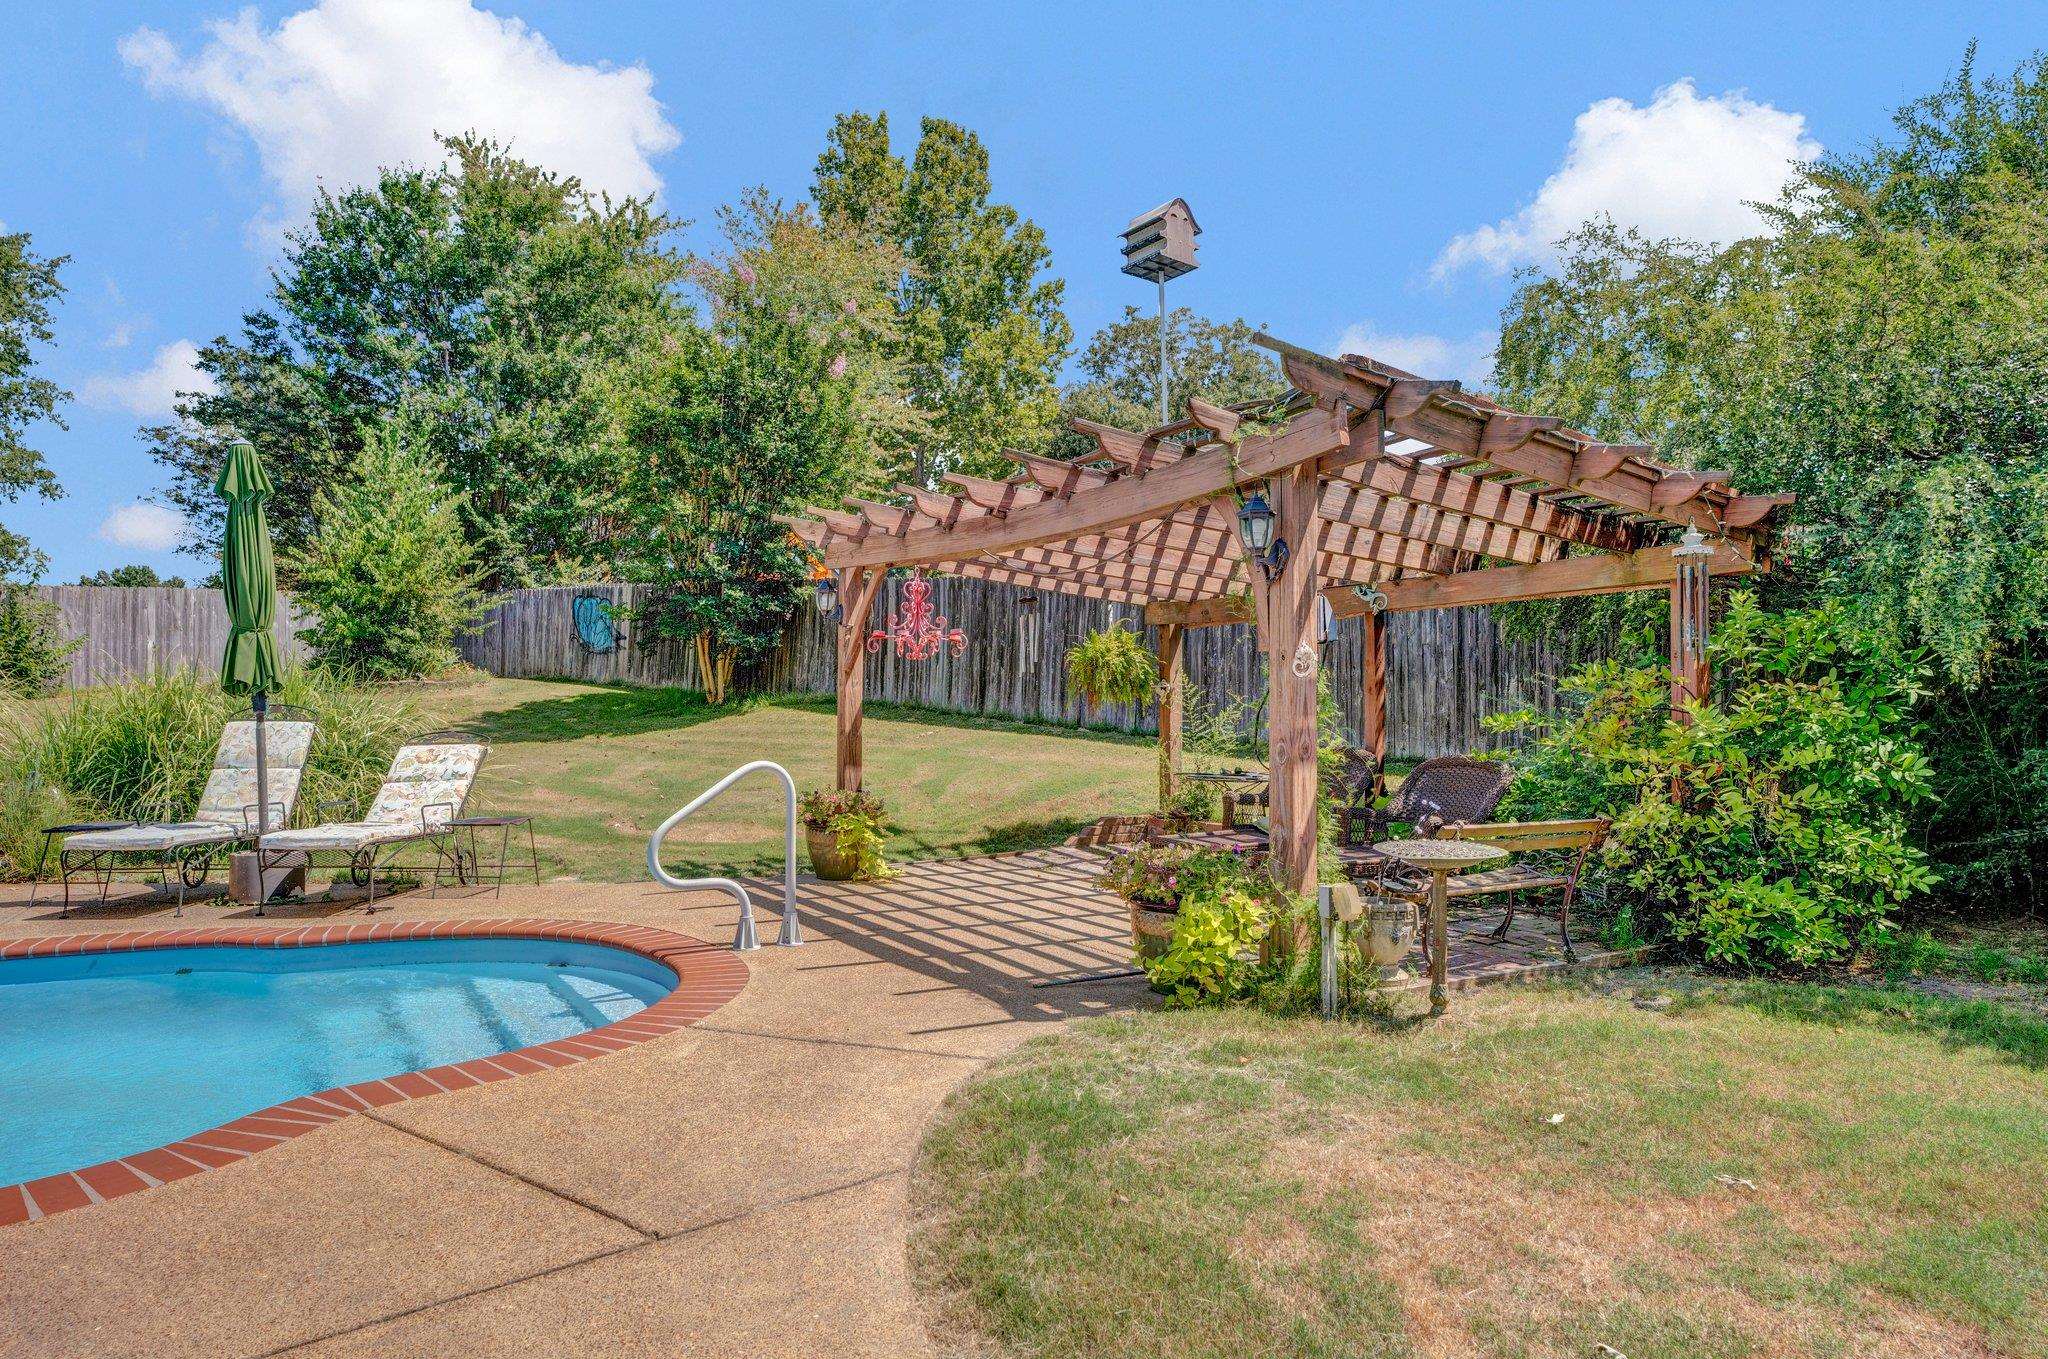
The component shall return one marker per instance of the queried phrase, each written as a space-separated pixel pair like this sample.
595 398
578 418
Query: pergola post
1171 636
1372 718
1691 598
1287 628
857 586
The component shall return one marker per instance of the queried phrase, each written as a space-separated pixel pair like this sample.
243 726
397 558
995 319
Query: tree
28 285
1216 361
388 575
133 577
790 396
485 302
32 649
1882 353
983 335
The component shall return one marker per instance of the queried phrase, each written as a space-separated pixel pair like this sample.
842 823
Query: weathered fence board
129 632
1446 669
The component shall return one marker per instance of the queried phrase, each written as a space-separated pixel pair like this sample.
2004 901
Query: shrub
1223 907
33 651
388 573
142 750
1771 830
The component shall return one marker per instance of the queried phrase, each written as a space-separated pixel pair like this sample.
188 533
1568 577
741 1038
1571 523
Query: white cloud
119 337
142 526
151 390
336 91
1469 359
1683 166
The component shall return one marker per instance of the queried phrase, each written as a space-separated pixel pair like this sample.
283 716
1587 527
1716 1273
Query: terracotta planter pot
828 860
1151 929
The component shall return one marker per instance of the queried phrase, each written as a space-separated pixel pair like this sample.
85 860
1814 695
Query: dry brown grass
1266 1187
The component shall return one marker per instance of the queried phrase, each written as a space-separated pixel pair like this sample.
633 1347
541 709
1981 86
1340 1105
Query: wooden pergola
1392 491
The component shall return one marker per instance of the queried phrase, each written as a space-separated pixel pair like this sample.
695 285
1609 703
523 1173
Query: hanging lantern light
1255 520
828 596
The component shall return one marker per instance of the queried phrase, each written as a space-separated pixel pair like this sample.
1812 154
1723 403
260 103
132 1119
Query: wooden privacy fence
1447 669
129 632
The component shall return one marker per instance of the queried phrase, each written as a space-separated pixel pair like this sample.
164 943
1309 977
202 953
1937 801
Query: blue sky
1365 175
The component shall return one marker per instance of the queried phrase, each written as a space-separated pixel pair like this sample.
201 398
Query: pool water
106 1054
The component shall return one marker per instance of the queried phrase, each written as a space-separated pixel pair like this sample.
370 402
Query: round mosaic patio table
1439 859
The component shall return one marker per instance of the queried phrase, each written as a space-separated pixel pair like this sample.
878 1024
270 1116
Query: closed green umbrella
248 577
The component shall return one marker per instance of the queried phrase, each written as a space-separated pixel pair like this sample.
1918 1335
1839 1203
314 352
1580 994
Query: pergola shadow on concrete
1389 491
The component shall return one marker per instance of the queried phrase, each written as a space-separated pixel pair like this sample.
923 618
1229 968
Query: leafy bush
820 808
142 750
1191 802
33 651
1771 830
389 574
1112 666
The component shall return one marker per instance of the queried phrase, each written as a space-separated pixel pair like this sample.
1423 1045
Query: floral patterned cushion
148 839
342 835
284 745
230 796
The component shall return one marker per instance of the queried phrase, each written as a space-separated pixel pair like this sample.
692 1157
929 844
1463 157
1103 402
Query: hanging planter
1112 666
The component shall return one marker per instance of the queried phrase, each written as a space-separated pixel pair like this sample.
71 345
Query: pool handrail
743 937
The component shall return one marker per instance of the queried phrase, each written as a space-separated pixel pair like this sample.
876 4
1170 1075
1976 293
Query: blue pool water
104 1054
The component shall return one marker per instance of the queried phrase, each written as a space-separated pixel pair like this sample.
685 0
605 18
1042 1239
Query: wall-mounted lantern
1255 525
828 596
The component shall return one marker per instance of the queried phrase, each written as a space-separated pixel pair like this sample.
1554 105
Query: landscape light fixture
1159 245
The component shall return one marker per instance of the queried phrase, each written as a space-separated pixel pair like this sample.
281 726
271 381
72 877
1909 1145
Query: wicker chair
1446 791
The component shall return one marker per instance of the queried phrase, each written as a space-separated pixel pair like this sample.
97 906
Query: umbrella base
281 877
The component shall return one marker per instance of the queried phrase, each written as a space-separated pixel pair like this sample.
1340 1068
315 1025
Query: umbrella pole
260 701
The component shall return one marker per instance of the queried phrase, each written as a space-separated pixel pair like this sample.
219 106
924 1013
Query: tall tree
28 285
984 334
486 300
135 576
790 396
1214 360
1882 352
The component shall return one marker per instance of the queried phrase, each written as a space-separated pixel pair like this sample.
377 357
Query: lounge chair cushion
155 838
347 836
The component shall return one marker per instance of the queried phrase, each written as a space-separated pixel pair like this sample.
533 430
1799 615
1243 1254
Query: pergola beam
1125 501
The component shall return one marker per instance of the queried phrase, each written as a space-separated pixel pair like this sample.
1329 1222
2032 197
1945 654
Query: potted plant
1112 666
1190 803
843 831
1150 882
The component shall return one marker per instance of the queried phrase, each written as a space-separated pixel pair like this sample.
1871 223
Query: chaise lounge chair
225 819
428 784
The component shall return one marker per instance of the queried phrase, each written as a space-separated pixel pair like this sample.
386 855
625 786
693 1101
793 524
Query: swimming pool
107 1054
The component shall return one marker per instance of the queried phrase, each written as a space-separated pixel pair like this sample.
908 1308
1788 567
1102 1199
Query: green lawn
1753 1170
599 768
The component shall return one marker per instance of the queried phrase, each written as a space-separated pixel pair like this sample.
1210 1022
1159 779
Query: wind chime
920 632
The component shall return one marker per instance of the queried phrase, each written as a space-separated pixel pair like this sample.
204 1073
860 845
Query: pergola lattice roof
1434 494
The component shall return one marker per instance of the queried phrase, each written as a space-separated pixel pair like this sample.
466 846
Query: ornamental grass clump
142 750
1770 830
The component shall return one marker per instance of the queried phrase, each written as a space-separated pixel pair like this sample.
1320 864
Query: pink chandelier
920 631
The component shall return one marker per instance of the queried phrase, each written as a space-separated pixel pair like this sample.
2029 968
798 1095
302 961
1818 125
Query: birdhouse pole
1160 245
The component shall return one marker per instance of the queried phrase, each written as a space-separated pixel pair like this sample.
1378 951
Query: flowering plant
820 808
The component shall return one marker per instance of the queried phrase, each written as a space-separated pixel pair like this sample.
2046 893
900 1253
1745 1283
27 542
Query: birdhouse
1160 245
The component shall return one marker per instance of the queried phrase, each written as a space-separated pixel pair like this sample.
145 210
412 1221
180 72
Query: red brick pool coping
709 976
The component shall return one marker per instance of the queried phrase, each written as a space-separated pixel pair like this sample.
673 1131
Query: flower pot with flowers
1149 881
843 831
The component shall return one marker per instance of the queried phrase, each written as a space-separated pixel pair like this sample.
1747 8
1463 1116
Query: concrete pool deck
737 1187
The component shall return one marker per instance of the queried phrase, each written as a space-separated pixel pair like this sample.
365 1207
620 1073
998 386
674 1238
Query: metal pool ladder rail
743 937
